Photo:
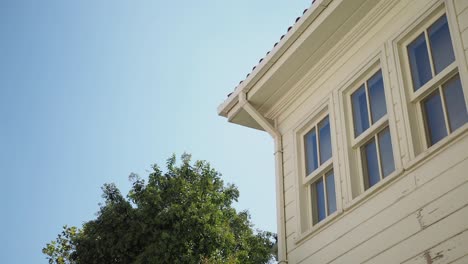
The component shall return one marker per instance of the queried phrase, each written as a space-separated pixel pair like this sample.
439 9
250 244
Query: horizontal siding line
288 189
383 209
408 215
287 174
288 219
286 158
399 242
460 12
438 244
290 202
463 30
455 260
291 234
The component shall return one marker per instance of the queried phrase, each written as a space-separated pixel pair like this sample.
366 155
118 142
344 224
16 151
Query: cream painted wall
420 214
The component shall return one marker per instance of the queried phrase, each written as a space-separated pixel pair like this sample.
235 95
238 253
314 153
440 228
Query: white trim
304 205
329 60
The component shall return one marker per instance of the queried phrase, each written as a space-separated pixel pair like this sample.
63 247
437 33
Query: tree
184 215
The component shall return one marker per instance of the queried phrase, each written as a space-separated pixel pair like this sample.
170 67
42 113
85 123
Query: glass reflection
419 62
320 200
434 115
377 97
371 164
441 44
325 140
455 102
331 196
360 114
386 152
310 140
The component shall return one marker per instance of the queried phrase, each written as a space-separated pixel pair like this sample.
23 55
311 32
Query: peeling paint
427 256
420 219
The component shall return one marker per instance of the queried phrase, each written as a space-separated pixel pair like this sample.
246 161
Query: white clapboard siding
418 216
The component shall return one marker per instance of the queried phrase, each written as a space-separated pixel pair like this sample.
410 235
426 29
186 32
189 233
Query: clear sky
93 90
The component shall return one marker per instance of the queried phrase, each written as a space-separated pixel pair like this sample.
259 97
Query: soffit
309 40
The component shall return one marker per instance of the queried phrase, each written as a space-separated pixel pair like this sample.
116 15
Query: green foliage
184 215
59 250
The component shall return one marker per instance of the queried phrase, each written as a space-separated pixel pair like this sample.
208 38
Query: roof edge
309 16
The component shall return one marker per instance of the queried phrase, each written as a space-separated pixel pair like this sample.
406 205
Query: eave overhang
307 41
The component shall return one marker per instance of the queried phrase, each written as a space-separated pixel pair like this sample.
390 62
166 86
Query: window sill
319 227
372 191
436 148
421 159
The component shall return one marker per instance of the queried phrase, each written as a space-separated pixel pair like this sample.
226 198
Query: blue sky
91 91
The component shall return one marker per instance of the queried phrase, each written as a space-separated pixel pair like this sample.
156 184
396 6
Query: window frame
353 158
305 224
419 142
308 181
372 132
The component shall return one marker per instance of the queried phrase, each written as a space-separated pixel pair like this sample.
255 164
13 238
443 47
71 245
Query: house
367 103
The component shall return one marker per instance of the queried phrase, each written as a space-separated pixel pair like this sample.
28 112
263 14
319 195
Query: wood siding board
289 195
446 160
449 250
464 36
461 5
289 180
426 216
290 211
463 20
291 226
378 221
447 227
396 202
461 260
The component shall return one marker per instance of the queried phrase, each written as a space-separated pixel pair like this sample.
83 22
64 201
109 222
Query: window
372 139
437 94
319 176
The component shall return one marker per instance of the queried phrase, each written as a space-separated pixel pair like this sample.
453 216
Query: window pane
455 102
419 62
331 196
386 152
325 140
360 114
371 165
320 200
310 140
441 44
377 97
435 122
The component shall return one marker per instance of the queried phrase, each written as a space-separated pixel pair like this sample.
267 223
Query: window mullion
324 179
428 45
317 138
369 114
444 109
379 160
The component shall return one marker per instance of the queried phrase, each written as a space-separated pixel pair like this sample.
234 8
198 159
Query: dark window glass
441 44
360 114
331 196
325 140
311 151
419 62
371 164
377 97
435 121
386 152
320 200
455 102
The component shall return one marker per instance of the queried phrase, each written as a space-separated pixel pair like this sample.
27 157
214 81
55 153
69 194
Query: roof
274 46
298 51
